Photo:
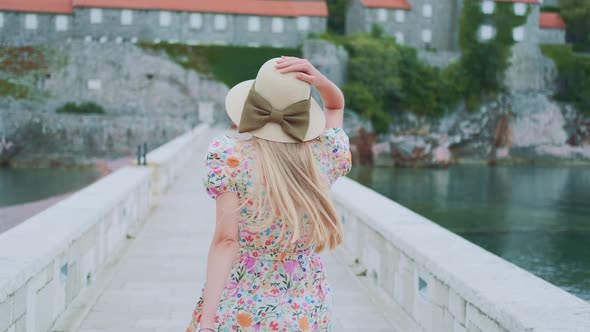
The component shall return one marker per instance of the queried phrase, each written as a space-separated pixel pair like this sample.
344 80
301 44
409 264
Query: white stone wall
46 261
552 36
433 280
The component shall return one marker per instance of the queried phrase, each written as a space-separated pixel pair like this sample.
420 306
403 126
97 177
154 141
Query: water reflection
535 217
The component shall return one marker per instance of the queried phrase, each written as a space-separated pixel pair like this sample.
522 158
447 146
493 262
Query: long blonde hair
289 175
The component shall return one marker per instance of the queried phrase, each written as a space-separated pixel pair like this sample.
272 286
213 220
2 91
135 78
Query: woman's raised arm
332 97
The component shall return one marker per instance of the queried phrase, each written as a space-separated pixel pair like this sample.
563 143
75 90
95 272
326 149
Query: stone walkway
156 282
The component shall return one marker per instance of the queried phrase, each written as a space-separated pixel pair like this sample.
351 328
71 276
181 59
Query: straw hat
276 107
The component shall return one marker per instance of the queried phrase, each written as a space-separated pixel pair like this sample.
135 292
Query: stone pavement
156 282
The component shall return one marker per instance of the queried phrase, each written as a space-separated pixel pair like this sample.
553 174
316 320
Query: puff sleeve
337 161
221 167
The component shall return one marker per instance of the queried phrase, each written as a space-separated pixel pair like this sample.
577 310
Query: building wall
355 18
552 36
430 24
434 27
19 28
100 24
552 3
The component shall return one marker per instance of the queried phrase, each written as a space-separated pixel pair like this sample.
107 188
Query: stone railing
46 261
433 280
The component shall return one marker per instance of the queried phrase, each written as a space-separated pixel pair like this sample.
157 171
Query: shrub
228 64
83 108
576 14
574 75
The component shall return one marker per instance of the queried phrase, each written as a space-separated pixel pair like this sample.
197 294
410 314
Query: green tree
337 15
484 62
576 14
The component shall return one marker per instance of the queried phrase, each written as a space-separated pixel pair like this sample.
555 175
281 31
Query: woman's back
231 166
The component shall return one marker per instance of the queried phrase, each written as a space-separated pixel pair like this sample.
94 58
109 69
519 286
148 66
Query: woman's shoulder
334 136
227 143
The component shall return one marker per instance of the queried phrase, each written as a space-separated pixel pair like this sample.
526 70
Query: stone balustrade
46 261
433 280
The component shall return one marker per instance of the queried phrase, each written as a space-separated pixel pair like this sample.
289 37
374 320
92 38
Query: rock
8 149
543 126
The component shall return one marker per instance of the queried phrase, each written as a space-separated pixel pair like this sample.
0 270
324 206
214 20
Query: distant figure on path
273 209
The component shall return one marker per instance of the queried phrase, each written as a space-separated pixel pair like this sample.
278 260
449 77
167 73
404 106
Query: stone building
434 24
33 21
277 23
552 28
415 23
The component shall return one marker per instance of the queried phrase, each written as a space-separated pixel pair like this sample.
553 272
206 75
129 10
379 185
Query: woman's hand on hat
306 72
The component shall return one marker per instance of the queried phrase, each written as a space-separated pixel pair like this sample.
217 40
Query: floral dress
273 285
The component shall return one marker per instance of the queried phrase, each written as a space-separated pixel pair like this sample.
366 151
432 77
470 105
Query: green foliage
550 9
576 14
83 108
574 75
228 64
483 63
385 76
337 17
17 91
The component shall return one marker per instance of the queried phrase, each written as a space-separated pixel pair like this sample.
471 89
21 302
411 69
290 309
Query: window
519 8
119 40
95 16
277 25
61 23
488 6
427 10
1 20
303 23
220 22
94 84
134 40
487 32
254 23
165 18
382 14
399 38
31 22
400 16
196 21
426 36
518 34
126 17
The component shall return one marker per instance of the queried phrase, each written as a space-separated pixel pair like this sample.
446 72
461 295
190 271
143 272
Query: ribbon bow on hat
257 112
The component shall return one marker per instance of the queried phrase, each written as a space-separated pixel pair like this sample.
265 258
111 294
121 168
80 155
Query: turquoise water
535 217
22 185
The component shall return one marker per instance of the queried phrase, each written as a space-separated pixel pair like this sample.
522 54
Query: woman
273 209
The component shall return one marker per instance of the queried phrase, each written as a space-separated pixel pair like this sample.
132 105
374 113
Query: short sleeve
337 160
221 167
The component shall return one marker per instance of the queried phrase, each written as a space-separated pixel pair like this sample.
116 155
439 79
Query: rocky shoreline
510 130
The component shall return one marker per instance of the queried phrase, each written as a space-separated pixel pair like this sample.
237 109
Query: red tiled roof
523 1
37 6
551 21
391 4
243 7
